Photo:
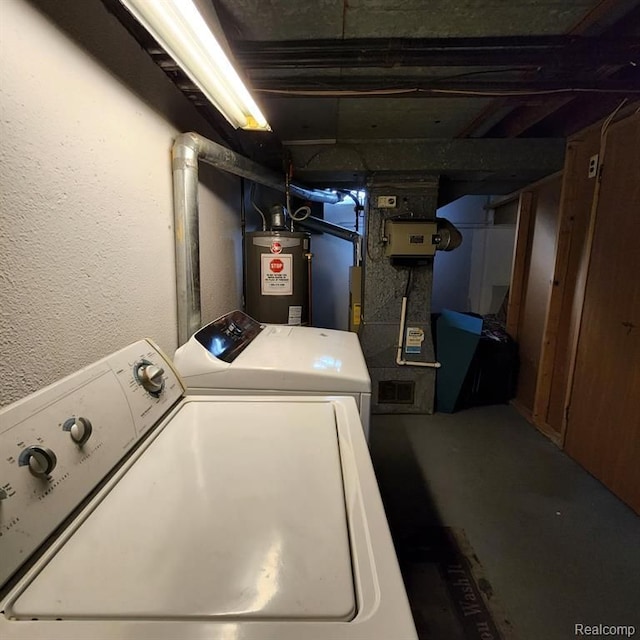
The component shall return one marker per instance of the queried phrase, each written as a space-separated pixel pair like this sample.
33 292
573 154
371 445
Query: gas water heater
278 273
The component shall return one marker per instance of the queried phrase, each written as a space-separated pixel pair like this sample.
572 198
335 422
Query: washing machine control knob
79 429
40 460
149 376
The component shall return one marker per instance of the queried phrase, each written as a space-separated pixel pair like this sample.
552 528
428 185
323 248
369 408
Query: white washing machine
132 512
237 354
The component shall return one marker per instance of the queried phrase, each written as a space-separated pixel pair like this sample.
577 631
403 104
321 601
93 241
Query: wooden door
603 431
536 286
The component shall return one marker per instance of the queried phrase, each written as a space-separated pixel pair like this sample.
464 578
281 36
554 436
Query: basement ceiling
480 92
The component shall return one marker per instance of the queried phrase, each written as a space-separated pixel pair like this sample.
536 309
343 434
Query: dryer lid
236 510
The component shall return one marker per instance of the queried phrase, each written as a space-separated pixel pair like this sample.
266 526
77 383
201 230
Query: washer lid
236 510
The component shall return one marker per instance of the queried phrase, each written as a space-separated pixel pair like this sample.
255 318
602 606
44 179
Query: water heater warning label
276 274
295 315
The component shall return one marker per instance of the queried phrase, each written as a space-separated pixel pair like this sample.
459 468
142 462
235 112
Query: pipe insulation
189 149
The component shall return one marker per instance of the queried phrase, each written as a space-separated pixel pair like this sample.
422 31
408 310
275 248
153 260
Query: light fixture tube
180 29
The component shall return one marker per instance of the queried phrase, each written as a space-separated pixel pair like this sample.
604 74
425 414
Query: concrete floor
557 547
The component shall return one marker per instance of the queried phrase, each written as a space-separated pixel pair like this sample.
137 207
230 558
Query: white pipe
399 359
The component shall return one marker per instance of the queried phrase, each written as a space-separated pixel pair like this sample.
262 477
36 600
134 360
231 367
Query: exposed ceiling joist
521 72
431 155
613 19
531 51
411 86
525 119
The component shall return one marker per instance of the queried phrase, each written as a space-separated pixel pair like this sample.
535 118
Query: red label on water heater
276 265
276 247
276 274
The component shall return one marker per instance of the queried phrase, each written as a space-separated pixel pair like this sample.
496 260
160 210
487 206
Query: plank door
603 431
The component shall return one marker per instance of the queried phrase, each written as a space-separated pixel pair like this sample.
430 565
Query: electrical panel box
410 238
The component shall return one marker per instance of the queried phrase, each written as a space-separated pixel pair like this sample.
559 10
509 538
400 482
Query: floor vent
396 392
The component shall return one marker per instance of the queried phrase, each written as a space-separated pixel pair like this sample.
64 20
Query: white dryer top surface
307 351
235 510
282 357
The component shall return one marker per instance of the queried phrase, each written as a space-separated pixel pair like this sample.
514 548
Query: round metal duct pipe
188 150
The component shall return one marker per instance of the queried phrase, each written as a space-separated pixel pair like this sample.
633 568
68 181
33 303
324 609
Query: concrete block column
396 388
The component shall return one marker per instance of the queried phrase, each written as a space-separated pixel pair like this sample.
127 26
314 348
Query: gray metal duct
317 224
188 149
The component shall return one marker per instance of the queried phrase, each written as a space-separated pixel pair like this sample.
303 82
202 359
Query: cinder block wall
383 288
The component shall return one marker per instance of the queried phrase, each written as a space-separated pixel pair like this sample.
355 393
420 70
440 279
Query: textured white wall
332 258
452 269
220 243
491 260
86 232
475 276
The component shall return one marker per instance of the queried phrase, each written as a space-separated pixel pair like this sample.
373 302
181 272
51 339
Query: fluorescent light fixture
180 29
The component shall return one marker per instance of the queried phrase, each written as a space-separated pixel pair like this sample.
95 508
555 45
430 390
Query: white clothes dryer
236 354
132 512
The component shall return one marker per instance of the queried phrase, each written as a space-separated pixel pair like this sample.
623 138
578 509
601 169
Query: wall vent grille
396 392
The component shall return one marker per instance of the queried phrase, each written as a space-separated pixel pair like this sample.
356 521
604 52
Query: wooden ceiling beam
533 51
626 13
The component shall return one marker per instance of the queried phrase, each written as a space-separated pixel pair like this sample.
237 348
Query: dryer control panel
59 443
228 336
